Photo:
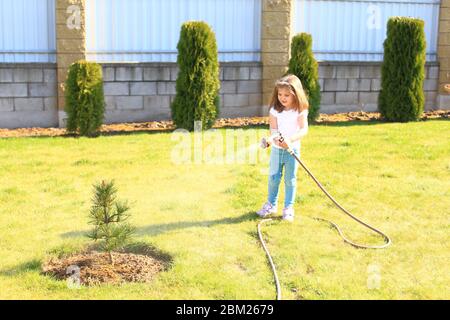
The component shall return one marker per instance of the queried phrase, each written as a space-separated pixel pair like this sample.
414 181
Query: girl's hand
283 144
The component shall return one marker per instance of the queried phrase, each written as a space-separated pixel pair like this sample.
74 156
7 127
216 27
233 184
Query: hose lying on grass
387 240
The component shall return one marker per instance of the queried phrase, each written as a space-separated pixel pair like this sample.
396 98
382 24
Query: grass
394 176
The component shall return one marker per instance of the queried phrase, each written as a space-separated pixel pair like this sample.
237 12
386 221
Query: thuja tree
403 70
305 67
108 215
85 102
197 86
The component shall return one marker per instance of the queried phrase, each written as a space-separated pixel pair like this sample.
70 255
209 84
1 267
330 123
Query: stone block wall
144 91
354 86
28 95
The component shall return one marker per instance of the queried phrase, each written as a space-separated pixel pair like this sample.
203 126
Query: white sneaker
288 214
267 209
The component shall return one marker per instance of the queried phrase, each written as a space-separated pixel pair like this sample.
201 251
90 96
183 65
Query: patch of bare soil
220 123
94 268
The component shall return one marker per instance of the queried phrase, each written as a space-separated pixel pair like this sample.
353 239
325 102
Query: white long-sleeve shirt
291 122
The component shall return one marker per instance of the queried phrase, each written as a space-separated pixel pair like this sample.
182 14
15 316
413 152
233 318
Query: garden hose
387 240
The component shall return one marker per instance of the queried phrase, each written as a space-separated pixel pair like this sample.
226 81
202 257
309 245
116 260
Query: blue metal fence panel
148 30
354 30
27 31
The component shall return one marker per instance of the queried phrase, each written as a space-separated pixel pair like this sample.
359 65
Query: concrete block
27 119
6 75
166 88
327 72
6 104
236 73
235 100
62 119
50 104
129 74
430 100
368 97
235 112
370 72
116 88
50 75
157 102
28 75
228 87
433 73
335 85
13 90
338 108
157 74
255 99
430 85
375 85
109 74
359 84
110 103
255 73
174 73
347 72
129 102
142 88
321 84
443 102
29 104
42 89
249 86
349 98
119 116
328 98
369 107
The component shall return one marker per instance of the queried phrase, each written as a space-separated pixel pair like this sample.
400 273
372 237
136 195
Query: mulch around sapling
162 126
95 268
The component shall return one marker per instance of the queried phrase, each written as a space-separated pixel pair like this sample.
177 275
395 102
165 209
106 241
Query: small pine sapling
108 215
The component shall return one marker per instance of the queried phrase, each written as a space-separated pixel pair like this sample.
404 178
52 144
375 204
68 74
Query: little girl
288 115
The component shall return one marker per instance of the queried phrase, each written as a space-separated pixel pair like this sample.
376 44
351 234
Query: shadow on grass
74 234
33 265
157 229
63 251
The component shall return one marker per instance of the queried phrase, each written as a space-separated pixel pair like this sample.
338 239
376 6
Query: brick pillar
70 43
443 100
275 43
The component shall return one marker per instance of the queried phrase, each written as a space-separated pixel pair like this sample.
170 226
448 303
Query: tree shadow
157 229
32 265
74 234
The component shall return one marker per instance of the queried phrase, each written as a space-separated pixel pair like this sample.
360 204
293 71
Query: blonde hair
293 83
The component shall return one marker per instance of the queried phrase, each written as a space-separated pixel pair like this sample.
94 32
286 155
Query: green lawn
394 176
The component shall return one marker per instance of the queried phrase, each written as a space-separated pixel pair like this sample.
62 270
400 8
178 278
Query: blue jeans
280 158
